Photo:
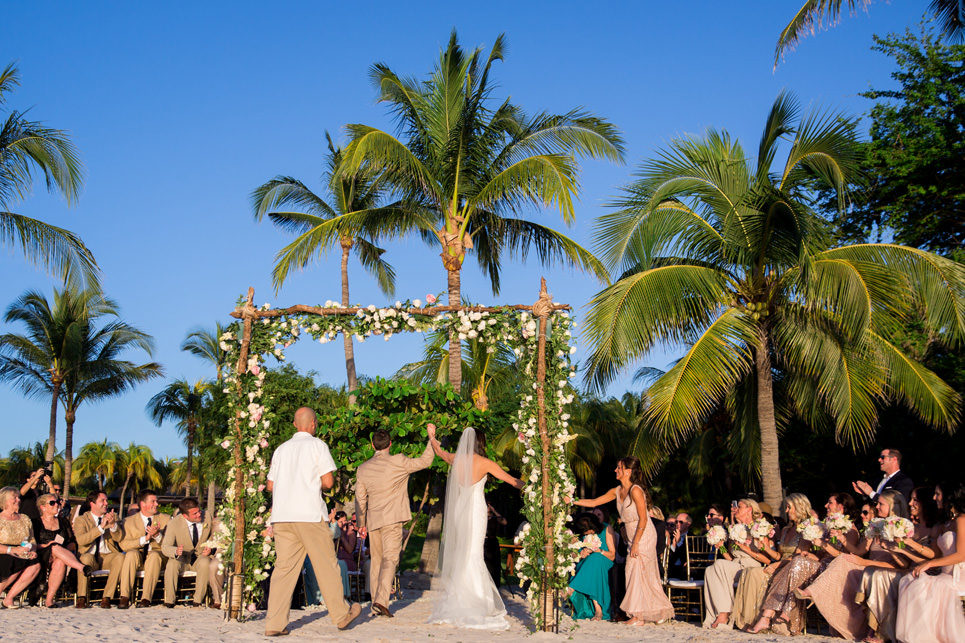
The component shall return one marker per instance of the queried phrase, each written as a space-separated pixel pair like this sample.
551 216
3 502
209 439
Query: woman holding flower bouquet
719 577
589 589
645 600
835 589
929 607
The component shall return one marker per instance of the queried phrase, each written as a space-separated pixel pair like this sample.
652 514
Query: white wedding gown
469 596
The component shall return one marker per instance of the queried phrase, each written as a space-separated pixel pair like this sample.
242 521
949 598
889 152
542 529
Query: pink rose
430 299
256 415
263 443
251 607
254 370
261 487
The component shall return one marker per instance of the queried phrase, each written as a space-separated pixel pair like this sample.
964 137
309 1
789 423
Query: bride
469 596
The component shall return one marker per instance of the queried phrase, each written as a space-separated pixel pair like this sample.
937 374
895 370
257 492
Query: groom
382 505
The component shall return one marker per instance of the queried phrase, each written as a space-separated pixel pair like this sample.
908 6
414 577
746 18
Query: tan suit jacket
86 532
382 488
134 529
178 532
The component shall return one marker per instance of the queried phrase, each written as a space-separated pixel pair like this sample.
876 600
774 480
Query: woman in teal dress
589 589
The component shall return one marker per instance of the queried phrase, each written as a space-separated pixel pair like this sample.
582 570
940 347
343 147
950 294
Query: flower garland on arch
510 326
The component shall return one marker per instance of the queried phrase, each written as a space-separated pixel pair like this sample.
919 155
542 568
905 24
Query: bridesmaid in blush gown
645 600
929 607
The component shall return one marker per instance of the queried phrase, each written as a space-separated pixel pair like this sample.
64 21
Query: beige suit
382 506
178 533
134 558
87 534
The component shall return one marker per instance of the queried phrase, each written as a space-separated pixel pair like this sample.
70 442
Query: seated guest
589 589
895 478
98 541
56 546
715 516
678 529
183 546
719 577
865 516
143 533
835 589
18 562
929 607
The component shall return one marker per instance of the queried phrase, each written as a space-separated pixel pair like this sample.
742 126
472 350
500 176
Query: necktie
147 547
100 539
194 534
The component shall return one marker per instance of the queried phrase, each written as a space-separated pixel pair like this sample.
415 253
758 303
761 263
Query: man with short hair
143 533
183 546
678 528
301 469
895 478
98 537
382 504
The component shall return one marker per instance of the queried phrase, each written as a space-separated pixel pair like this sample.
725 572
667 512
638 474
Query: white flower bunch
839 522
895 528
716 536
523 533
592 542
760 529
738 532
811 529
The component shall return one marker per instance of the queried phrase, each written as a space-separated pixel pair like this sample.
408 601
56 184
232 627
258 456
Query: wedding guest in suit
678 529
141 545
301 469
184 546
382 504
895 478
98 540
56 546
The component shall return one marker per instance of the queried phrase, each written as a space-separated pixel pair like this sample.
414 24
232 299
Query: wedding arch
540 337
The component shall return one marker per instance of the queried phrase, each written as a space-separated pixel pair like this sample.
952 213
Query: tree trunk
54 398
68 452
429 561
187 473
211 496
353 382
770 455
455 346
127 480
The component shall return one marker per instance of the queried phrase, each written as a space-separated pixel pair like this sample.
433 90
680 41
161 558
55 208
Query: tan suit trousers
133 562
385 544
293 540
174 569
215 579
112 562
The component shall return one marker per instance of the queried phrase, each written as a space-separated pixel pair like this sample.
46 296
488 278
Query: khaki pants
133 562
112 562
173 570
385 545
215 579
293 540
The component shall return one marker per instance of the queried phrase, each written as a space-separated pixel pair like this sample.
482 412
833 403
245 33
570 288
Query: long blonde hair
801 504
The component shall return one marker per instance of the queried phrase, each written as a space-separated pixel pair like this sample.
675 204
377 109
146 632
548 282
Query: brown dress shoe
123 603
381 609
353 613
81 603
144 603
106 603
215 606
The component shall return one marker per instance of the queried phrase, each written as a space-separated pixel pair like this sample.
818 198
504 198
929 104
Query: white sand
156 624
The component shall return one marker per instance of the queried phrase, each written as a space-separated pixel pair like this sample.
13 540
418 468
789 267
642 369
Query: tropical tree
136 463
27 147
814 13
205 344
22 461
359 191
184 403
727 256
467 167
98 460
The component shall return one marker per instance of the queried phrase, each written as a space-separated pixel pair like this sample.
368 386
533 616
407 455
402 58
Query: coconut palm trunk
69 418
127 480
453 271
346 243
770 455
187 473
57 381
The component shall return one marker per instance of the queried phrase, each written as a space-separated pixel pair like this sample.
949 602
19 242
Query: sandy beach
158 624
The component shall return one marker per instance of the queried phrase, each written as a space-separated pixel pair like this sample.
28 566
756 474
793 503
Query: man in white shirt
98 538
890 463
301 469
142 549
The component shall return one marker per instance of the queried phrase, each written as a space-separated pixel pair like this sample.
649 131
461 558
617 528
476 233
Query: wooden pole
238 560
541 310
239 313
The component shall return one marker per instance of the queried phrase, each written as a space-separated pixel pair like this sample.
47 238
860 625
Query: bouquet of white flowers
875 529
592 542
716 536
838 522
811 529
761 529
895 528
738 532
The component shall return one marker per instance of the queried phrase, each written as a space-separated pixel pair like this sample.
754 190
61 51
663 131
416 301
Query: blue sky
181 109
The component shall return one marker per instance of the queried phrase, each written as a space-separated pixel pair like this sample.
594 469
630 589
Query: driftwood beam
241 313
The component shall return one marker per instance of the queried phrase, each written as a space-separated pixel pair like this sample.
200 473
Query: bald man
301 469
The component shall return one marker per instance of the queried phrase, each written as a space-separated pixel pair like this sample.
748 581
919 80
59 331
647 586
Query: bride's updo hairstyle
480 442
632 464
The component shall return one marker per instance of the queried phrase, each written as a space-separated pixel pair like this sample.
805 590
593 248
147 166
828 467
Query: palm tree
22 461
136 463
814 13
179 476
726 255
25 147
359 191
202 343
468 167
184 403
98 460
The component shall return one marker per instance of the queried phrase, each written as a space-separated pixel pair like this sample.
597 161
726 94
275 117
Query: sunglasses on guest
54 503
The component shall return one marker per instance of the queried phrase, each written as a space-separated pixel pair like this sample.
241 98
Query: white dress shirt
100 543
884 481
296 470
144 519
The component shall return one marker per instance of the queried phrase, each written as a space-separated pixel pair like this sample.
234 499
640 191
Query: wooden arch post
542 310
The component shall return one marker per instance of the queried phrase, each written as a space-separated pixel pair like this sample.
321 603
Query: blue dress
591 582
